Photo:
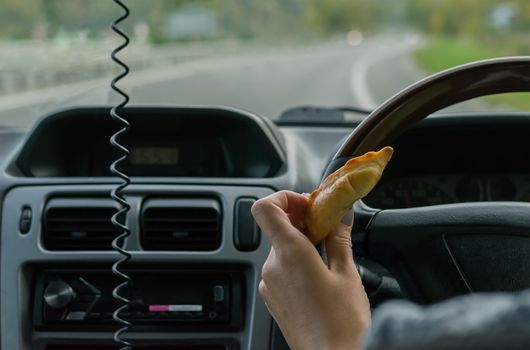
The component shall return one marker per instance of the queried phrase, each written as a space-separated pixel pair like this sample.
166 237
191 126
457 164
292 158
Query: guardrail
31 64
28 65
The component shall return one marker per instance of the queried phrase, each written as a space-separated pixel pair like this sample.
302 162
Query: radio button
218 293
76 316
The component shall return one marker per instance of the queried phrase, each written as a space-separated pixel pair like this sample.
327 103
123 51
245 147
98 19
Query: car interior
450 216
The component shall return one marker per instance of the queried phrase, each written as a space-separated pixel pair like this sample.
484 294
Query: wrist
353 342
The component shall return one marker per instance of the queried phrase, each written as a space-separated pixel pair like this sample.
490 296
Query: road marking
359 80
360 90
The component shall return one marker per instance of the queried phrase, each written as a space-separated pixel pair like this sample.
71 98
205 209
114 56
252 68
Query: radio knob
58 294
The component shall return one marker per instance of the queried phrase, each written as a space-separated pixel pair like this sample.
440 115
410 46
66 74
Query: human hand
316 306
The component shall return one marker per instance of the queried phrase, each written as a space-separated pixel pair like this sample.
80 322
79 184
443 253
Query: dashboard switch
246 231
24 224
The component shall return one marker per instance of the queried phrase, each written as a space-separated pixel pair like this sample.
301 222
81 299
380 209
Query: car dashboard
196 253
457 160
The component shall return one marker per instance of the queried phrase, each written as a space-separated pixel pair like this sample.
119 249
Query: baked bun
334 198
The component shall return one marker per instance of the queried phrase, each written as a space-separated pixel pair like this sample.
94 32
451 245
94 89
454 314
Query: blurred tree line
235 18
274 19
499 26
473 18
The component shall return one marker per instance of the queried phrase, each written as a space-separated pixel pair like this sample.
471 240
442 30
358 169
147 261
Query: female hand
316 306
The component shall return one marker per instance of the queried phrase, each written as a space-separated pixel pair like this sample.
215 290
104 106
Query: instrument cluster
419 191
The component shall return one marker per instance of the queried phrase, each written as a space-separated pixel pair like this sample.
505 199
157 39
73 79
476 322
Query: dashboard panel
185 158
180 142
446 161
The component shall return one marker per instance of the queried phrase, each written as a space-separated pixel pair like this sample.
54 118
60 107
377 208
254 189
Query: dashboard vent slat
181 224
181 219
78 224
76 220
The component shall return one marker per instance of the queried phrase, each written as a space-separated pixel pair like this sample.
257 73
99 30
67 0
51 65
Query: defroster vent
181 224
78 224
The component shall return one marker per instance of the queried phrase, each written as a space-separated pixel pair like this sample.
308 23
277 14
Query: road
265 82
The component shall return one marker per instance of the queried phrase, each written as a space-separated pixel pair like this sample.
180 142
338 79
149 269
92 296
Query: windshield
261 56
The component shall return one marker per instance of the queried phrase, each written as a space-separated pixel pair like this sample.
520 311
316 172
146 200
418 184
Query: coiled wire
119 218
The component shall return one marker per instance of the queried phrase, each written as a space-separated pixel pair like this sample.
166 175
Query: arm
480 321
316 305
324 306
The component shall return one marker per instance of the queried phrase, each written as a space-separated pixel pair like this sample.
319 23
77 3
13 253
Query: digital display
154 156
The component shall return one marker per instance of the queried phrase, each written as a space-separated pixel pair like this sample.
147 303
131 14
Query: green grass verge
519 100
443 53
440 54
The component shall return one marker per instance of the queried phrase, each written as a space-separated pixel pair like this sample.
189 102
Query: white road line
359 87
359 80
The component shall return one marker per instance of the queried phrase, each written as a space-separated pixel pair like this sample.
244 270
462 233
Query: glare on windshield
261 56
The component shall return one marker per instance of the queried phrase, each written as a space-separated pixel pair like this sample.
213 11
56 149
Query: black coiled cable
119 218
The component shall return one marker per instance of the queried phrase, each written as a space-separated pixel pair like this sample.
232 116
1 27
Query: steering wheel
440 251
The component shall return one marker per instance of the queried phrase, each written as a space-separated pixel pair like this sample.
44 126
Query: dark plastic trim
69 125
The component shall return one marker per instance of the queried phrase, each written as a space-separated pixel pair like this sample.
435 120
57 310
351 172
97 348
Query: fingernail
306 194
348 218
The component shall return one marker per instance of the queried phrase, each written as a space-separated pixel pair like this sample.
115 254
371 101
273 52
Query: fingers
263 291
266 275
269 265
339 246
281 213
274 213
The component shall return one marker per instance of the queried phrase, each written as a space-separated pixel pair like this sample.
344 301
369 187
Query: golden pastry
334 198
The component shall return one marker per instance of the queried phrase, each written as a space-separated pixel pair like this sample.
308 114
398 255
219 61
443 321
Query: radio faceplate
159 298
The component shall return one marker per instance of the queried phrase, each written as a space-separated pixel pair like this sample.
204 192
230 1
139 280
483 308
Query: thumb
339 246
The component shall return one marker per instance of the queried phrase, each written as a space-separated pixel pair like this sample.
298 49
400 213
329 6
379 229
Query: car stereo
171 298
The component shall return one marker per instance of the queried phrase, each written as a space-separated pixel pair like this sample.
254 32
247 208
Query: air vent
181 224
78 224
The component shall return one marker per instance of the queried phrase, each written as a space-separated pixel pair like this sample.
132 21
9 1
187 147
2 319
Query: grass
440 54
443 53
519 100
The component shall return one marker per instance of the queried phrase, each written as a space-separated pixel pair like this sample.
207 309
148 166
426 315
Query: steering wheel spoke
440 251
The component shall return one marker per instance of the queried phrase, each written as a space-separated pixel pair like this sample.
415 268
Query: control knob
58 294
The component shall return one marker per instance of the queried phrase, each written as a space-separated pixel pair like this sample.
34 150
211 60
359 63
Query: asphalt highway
266 82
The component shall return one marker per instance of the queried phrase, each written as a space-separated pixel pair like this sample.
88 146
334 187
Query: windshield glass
262 56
